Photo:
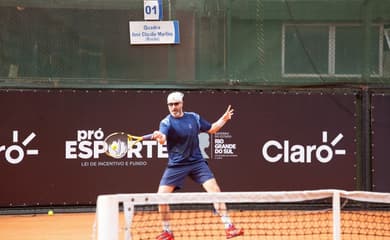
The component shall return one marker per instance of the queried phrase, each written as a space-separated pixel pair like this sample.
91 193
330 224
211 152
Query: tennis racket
119 143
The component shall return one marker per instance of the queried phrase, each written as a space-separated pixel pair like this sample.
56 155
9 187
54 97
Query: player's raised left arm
217 125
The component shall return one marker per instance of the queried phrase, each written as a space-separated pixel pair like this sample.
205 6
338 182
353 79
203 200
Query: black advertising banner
52 150
380 138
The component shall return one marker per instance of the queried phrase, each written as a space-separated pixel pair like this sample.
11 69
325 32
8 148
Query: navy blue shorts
175 175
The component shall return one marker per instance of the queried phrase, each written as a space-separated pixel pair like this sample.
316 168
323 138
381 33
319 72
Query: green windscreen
223 43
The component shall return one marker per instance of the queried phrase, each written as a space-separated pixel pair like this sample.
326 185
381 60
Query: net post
128 210
336 215
107 210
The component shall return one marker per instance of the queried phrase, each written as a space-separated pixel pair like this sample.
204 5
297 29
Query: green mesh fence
224 43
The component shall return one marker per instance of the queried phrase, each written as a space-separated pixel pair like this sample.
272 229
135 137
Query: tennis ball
114 146
50 213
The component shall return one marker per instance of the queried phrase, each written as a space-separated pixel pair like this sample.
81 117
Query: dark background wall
51 143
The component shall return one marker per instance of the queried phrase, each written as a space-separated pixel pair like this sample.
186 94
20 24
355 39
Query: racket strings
117 148
118 144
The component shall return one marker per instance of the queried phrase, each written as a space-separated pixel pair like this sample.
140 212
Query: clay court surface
72 226
279 225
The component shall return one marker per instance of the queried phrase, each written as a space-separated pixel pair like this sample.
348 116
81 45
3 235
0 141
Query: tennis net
317 214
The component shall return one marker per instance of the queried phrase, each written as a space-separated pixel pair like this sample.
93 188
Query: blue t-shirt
182 137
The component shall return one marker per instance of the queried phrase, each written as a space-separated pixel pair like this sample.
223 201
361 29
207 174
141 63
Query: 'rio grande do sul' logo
274 151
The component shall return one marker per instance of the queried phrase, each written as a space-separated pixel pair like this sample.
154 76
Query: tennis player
179 130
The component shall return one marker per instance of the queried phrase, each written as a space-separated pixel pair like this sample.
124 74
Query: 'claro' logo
16 152
274 151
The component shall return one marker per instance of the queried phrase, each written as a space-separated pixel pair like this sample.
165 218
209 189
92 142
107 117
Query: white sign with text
153 32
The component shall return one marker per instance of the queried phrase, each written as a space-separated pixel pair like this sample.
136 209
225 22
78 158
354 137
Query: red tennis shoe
232 232
165 235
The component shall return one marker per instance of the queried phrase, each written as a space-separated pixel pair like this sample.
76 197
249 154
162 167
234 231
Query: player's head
175 104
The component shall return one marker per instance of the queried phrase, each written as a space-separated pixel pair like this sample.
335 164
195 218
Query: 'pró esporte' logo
89 144
16 152
274 151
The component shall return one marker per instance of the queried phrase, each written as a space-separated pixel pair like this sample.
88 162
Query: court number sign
153 10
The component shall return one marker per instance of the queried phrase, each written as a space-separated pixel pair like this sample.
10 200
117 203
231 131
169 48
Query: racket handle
147 137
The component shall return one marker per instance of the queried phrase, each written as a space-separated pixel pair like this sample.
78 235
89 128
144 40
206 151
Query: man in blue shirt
179 130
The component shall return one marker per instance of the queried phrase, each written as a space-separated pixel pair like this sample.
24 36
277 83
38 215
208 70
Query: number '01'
150 10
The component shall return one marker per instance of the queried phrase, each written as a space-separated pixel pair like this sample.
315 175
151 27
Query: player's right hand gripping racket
119 143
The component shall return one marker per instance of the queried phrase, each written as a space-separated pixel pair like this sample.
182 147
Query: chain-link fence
223 43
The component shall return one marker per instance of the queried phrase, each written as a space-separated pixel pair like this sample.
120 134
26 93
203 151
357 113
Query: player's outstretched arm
217 125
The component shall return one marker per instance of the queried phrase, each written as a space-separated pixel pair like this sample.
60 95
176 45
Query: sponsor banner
380 138
282 141
52 148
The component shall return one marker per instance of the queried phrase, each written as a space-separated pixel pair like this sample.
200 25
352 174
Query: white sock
166 226
226 221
